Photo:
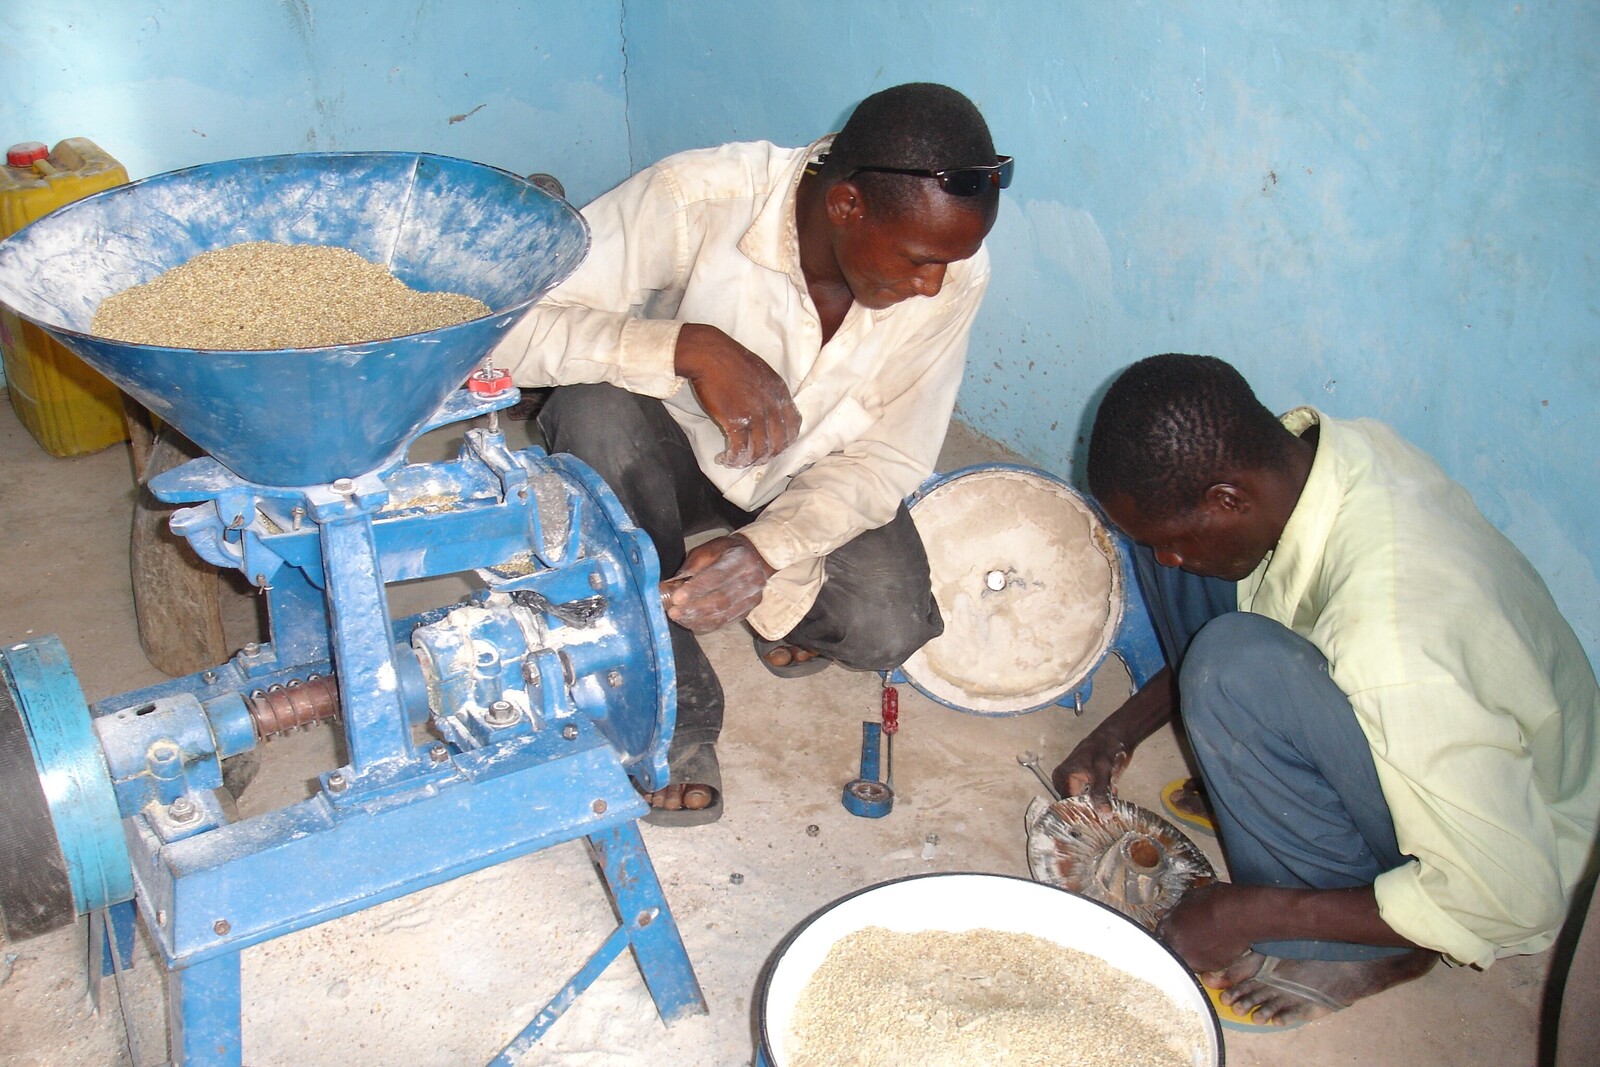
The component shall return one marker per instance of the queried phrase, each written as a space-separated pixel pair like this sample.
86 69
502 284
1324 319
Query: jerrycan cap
26 153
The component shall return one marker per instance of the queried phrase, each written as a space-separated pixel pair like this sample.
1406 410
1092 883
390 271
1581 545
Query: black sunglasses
957 181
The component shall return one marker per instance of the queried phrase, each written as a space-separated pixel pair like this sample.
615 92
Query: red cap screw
489 381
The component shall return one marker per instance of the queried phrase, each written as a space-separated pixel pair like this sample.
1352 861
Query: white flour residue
1049 622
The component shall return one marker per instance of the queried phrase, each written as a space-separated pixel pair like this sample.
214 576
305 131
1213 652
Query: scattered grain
264 295
935 998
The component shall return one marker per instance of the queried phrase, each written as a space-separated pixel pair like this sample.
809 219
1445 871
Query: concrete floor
351 997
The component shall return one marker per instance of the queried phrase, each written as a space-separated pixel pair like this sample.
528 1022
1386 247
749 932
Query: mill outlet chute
475 732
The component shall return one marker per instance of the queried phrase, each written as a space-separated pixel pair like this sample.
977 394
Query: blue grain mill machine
475 732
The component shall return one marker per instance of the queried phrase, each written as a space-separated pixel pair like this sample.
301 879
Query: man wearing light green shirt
1395 727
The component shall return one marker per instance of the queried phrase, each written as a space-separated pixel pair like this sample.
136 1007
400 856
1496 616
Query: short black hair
920 126
1172 426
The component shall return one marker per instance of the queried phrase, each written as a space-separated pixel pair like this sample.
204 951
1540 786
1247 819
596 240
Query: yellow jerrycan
69 407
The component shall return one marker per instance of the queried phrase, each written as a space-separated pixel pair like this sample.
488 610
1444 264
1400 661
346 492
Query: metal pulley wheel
35 896
62 852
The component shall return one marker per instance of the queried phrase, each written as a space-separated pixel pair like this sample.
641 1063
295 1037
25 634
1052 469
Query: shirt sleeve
590 328
1467 807
860 486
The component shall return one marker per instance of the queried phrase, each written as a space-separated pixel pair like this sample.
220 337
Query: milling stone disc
1129 858
1026 577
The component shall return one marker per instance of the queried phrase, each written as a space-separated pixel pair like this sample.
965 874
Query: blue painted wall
1383 207
1380 207
160 85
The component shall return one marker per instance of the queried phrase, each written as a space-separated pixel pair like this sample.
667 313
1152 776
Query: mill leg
203 1006
646 924
657 946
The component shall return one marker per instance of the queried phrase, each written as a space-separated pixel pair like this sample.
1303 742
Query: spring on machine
294 705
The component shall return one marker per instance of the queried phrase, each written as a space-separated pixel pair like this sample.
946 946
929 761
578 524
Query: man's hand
721 580
1092 768
739 392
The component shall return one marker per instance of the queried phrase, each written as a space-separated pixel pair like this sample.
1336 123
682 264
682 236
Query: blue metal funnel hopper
299 417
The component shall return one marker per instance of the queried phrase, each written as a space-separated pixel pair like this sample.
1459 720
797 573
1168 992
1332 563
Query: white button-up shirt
709 236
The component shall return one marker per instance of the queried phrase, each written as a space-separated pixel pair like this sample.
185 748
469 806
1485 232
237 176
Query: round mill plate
1126 857
1027 578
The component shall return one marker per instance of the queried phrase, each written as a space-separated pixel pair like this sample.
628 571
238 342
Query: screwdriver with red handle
891 725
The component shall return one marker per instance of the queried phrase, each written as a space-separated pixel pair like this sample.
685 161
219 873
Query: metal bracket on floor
866 796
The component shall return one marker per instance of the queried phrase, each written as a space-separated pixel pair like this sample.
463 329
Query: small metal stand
866 796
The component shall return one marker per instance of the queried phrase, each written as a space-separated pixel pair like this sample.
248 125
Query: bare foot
1191 799
1288 992
788 655
682 796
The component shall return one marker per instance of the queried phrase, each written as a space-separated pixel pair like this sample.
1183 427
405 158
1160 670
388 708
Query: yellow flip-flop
1246 1023
1201 823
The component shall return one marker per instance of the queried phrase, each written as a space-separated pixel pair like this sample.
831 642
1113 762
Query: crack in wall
627 102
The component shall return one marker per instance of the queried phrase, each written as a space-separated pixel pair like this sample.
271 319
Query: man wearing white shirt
770 340
1394 725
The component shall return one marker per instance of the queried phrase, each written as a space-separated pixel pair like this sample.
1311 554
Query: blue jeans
1287 769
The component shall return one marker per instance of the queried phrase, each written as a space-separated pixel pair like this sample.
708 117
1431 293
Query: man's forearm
1147 710
1099 759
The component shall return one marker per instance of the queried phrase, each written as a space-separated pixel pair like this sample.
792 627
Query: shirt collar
773 239
1288 571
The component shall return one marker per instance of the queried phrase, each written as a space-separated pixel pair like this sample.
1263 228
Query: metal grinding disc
1129 858
1027 578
